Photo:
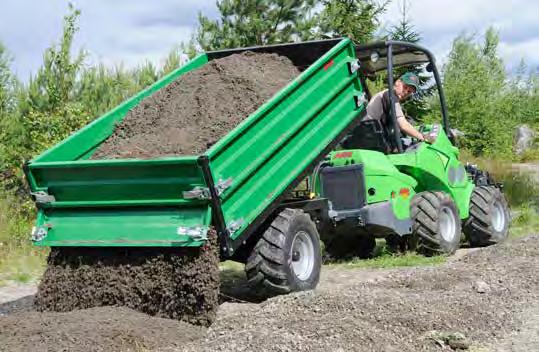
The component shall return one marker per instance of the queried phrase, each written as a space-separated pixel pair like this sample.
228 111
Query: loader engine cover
344 186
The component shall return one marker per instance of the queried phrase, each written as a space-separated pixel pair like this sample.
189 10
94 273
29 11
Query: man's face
403 90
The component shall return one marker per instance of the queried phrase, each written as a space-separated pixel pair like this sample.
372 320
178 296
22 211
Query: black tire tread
265 267
478 228
424 211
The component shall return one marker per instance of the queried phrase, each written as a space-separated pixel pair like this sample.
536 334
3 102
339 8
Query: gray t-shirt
378 108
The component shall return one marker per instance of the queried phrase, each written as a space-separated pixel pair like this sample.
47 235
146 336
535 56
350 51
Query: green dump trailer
234 188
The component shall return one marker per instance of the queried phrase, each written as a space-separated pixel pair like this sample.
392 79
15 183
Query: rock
462 344
524 137
481 286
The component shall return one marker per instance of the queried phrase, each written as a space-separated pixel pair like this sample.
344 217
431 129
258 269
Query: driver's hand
428 138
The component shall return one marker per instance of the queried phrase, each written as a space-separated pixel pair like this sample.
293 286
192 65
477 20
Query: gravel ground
487 300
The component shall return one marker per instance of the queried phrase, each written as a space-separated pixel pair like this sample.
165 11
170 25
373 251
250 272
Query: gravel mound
479 298
94 329
486 301
176 283
195 111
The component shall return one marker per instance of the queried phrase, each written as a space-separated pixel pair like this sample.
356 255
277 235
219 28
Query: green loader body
390 181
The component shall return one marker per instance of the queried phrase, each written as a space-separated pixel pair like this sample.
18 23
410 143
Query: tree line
65 93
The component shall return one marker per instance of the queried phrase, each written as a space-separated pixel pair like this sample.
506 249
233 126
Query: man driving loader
379 106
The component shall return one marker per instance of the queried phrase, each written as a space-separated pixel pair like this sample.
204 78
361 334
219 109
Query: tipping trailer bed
234 186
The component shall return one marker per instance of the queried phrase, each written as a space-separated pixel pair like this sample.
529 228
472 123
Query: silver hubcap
448 226
302 255
498 216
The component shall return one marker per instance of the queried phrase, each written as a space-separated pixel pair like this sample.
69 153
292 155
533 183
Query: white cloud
440 21
113 32
132 31
526 50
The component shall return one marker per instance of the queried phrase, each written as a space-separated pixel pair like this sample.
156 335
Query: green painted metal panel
432 165
270 149
137 227
382 177
132 181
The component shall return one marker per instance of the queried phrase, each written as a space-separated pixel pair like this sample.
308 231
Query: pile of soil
177 283
195 111
94 329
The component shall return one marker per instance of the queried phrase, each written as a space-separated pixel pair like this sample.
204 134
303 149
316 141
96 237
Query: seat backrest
368 134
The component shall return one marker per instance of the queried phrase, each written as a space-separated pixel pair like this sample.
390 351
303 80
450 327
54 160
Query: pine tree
418 107
356 19
256 22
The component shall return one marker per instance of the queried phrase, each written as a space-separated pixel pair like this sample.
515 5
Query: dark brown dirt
195 111
94 329
176 283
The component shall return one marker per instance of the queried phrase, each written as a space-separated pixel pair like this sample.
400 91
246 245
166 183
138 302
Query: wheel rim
498 216
302 255
448 225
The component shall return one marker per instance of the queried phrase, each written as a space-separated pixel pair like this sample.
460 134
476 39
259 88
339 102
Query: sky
130 32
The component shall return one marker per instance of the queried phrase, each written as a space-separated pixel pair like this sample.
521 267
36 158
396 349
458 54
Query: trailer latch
235 225
197 233
222 185
360 100
197 193
204 192
43 197
39 233
353 66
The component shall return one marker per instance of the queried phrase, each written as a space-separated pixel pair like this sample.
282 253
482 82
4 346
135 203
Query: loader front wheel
287 256
489 217
435 223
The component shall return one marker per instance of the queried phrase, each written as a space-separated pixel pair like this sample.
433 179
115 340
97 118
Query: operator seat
368 134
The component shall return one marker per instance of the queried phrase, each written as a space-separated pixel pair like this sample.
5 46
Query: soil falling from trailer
177 283
195 111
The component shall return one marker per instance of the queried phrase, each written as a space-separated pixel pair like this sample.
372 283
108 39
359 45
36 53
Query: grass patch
393 261
384 259
525 221
20 261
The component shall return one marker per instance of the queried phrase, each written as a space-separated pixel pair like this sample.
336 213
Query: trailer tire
489 217
287 256
436 226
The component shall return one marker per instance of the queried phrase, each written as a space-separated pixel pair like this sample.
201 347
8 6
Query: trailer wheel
287 257
489 217
435 223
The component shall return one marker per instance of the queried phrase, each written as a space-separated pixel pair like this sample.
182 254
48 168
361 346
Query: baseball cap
411 79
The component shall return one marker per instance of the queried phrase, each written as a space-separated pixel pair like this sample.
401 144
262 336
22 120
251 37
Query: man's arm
405 126
410 130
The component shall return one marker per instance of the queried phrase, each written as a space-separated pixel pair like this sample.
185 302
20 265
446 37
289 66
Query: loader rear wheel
287 256
435 223
489 217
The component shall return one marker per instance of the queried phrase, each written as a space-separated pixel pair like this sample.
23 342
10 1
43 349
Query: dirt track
491 296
